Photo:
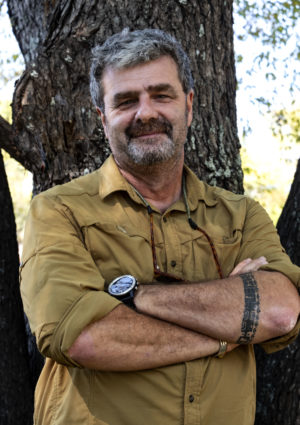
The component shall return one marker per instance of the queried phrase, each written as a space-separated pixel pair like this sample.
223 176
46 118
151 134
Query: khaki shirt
82 235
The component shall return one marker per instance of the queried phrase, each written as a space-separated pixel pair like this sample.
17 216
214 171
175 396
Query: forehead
154 73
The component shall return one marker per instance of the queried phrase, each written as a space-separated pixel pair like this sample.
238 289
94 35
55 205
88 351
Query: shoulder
220 194
81 187
74 200
212 195
241 206
84 185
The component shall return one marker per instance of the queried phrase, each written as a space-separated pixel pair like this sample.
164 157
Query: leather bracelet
222 349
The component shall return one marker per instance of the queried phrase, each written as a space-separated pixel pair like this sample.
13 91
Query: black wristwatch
123 288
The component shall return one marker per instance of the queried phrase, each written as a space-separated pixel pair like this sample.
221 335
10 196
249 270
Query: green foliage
275 14
273 22
267 183
286 127
11 60
269 29
274 25
5 110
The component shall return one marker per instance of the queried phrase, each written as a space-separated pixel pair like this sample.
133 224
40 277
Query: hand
248 265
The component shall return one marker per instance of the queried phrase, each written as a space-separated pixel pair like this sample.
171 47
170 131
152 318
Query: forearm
218 308
126 341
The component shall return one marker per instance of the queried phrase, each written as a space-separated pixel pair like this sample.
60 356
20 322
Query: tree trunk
288 225
55 123
278 374
16 389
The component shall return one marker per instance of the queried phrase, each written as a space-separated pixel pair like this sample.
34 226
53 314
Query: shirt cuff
90 307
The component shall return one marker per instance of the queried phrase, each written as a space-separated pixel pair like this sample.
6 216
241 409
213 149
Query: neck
160 184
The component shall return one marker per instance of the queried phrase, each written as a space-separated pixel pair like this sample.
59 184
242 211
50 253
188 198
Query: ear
189 105
102 116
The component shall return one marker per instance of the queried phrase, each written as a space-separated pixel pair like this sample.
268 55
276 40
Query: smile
147 135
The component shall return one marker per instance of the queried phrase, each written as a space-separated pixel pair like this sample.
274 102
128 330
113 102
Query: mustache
159 125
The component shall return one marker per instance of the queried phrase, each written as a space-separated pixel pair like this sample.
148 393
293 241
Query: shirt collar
111 180
197 190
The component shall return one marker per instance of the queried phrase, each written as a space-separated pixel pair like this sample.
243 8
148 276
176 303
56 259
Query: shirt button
173 263
191 398
165 219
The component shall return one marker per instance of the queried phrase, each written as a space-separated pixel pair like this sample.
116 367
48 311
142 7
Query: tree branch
7 142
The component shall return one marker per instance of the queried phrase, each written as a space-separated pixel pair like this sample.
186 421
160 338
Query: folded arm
189 319
125 340
247 308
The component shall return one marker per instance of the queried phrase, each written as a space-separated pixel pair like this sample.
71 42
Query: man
171 342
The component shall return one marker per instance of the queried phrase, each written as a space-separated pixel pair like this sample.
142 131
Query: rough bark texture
278 374
288 225
7 143
278 386
16 389
55 123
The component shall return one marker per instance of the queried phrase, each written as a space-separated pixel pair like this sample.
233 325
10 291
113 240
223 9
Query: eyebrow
162 87
118 97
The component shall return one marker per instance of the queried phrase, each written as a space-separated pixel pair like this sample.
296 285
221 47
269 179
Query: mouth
149 135
152 129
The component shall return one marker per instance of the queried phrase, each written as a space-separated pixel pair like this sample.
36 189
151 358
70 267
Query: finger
240 266
254 265
247 266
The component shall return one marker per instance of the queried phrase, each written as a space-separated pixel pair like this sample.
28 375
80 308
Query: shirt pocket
198 259
119 249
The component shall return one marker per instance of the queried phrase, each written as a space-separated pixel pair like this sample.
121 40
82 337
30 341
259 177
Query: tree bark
16 390
288 225
8 144
278 374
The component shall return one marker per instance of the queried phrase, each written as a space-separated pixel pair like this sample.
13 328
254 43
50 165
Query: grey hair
127 49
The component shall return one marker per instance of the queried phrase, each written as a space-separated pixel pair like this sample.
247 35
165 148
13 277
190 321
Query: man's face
146 112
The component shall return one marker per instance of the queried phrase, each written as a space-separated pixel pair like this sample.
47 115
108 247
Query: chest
120 243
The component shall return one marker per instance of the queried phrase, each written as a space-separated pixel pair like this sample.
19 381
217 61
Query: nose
146 110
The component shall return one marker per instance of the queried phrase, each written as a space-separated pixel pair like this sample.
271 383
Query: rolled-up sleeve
62 288
260 238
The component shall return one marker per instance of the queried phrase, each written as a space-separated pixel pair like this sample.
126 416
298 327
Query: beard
148 154
151 150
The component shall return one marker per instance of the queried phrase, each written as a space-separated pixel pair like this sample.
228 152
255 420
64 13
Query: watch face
122 285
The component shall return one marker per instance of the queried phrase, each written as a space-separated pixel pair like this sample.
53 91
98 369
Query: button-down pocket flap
119 249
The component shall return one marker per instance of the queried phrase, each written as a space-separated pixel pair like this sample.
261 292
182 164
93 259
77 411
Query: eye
162 97
126 102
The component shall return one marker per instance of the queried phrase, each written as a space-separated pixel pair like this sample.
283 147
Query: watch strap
128 299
